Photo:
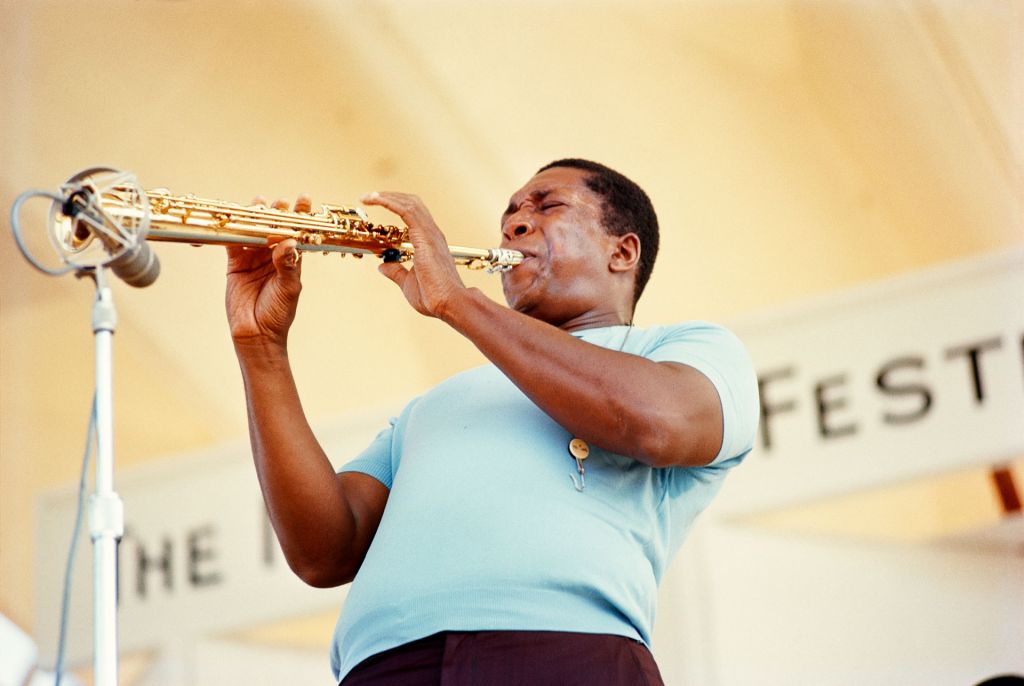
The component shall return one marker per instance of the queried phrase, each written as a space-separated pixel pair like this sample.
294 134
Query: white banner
913 376
198 557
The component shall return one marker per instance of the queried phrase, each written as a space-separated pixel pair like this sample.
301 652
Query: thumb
394 271
236 256
287 259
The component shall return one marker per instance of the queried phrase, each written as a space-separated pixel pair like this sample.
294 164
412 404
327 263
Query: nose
516 226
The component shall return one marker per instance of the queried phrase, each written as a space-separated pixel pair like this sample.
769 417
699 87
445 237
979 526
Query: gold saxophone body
101 203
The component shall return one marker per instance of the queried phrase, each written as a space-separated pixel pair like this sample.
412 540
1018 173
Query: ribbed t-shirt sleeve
376 460
720 356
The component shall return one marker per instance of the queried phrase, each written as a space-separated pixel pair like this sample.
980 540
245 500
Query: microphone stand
106 509
138 267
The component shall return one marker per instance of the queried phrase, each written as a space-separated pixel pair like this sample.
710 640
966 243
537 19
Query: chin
517 296
519 302
515 304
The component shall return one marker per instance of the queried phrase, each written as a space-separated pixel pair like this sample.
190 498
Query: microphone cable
19 239
66 596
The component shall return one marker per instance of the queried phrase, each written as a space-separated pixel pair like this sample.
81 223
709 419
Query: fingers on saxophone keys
409 207
399 203
304 203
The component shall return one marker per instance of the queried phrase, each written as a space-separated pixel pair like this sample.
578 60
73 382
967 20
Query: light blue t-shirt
485 530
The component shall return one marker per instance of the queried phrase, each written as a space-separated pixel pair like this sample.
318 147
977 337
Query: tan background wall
791 148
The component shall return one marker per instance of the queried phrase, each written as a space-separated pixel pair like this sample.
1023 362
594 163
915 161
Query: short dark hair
626 208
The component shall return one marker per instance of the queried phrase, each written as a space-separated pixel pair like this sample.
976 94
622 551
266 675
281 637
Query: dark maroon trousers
510 658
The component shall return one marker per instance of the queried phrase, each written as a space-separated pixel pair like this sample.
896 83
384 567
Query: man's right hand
324 521
263 287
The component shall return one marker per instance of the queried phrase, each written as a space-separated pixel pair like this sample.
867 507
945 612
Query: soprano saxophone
103 211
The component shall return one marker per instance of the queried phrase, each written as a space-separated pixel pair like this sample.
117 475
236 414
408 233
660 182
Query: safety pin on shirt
579 450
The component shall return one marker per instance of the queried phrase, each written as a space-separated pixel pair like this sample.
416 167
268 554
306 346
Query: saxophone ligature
101 210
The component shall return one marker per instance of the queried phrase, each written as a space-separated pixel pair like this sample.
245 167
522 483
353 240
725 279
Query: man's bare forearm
305 498
657 413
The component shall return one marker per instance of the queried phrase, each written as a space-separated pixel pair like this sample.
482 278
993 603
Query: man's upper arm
703 409
366 498
715 354
365 482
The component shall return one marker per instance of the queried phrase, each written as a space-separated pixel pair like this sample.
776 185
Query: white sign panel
198 556
914 376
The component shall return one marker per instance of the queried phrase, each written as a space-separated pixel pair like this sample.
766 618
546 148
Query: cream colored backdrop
791 148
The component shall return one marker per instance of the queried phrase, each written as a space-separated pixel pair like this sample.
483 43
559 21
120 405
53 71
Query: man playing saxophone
535 558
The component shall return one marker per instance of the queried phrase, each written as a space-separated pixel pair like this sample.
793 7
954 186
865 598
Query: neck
594 320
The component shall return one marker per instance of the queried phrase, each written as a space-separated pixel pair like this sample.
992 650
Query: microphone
136 264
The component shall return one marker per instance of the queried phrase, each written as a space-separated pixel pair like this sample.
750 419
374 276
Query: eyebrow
536 196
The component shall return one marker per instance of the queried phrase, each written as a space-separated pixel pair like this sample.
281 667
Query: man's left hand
432 282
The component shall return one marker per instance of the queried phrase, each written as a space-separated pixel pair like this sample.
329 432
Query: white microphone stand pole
106 509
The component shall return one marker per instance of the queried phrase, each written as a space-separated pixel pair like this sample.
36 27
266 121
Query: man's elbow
319 574
662 448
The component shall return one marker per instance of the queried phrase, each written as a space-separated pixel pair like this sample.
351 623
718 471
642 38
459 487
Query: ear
627 253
